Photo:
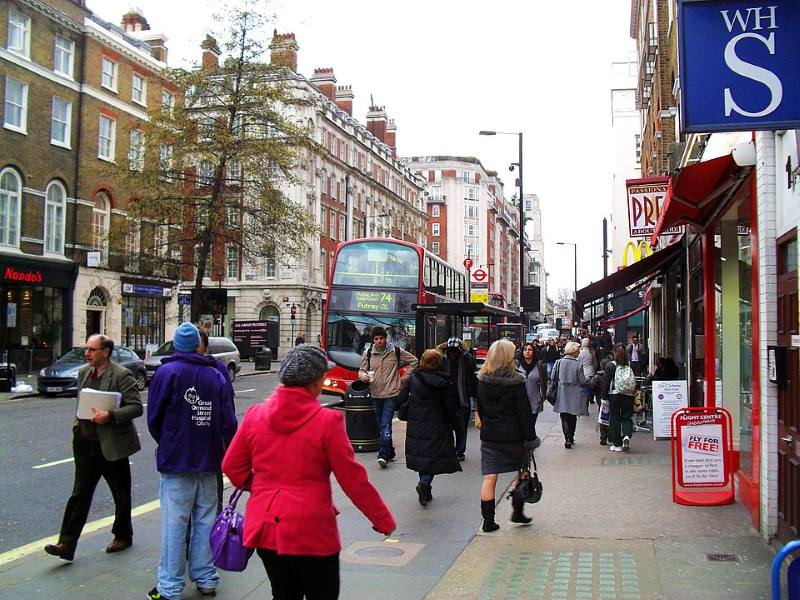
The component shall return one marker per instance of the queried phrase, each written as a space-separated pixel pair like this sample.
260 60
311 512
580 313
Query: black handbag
552 386
528 488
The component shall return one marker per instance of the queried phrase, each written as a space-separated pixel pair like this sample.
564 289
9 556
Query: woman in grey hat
284 452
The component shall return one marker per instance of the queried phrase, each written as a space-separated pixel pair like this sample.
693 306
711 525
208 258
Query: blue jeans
464 413
384 413
184 496
550 369
425 478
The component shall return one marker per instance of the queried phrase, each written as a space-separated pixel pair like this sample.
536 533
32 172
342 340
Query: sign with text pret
668 396
738 64
645 201
702 450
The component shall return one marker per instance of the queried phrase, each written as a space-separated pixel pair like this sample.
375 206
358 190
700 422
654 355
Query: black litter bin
8 376
263 359
362 426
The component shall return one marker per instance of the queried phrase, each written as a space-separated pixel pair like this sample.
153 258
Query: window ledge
142 104
20 54
106 159
60 144
64 75
15 129
110 89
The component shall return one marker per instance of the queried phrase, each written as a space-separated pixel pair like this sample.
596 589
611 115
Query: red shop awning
625 317
696 191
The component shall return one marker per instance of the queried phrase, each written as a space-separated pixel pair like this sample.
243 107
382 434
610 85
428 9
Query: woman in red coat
291 444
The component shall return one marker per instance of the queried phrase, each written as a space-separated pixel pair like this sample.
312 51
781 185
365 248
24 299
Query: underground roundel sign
479 274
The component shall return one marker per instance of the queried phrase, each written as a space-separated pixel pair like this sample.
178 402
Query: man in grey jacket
101 447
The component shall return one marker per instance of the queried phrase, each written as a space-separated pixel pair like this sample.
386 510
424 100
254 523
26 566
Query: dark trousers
90 466
535 417
464 413
297 577
568 424
620 418
638 368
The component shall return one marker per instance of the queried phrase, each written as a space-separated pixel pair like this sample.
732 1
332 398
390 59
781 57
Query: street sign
479 274
468 263
738 65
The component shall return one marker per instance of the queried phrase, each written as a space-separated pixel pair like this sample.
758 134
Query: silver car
219 347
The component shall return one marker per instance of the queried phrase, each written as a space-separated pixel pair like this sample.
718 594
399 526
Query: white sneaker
615 448
626 444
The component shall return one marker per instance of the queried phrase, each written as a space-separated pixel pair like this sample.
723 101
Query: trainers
615 448
461 457
207 592
626 444
154 594
382 462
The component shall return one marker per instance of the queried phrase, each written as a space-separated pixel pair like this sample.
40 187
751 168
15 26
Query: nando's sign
46 273
11 274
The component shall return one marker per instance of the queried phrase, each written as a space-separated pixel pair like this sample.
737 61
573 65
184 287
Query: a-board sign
668 396
251 336
702 450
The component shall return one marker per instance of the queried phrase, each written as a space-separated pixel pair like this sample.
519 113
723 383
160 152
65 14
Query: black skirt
502 457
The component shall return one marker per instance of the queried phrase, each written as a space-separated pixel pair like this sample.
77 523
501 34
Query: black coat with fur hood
504 408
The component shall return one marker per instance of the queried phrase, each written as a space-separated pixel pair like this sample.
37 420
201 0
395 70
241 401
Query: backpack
396 353
624 381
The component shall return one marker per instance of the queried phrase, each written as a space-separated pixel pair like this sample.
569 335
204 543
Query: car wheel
141 381
232 371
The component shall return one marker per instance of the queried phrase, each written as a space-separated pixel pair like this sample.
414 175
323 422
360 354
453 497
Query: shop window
143 323
10 209
55 206
100 220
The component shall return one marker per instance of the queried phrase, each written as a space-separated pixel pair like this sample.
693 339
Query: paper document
89 399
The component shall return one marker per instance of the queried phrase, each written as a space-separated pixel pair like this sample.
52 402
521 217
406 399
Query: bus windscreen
377 264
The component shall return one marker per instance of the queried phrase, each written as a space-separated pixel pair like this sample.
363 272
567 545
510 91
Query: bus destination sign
372 301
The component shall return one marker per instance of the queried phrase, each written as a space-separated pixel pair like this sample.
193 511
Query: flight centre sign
739 64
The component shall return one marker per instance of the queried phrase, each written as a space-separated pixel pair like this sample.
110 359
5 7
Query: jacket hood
289 408
190 357
432 378
502 378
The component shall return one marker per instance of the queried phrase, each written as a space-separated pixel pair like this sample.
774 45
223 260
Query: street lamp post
575 273
521 214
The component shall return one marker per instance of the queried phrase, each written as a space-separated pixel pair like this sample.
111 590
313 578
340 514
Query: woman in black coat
429 401
506 421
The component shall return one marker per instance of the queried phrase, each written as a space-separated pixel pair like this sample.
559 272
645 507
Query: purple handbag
227 538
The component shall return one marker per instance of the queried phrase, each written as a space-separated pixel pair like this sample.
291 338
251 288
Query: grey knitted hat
303 364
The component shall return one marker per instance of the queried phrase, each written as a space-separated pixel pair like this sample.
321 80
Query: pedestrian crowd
285 449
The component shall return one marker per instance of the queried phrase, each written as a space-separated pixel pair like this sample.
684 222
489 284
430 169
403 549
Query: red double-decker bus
481 334
376 282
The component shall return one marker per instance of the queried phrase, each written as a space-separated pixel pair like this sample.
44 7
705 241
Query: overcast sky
446 69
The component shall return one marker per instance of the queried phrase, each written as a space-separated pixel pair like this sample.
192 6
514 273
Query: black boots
487 512
424 494
518 516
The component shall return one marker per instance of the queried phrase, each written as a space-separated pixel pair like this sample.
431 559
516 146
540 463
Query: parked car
546 334
62 375
219 347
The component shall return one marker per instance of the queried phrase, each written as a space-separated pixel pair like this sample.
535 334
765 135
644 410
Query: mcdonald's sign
637 250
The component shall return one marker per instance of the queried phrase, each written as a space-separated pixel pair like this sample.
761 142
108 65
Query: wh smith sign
740 64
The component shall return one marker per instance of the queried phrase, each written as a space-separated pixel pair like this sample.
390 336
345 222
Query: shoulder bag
529 488
227 537
552 386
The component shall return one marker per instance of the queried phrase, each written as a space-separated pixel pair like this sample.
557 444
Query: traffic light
559 322
293 310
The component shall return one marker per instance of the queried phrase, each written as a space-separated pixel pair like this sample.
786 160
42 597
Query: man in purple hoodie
190 415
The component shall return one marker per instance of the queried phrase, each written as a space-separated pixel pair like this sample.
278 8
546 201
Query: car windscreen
165 349
76 355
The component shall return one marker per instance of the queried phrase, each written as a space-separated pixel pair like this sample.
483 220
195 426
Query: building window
472 230
15 116
472 212
435 210
322 212
467 176
167 101
205 173
528 204
206 129
108 78
10 194
165 152
19 34
232 216
106 138
61 122
100 218
233 262
64 57
341 227
472 192
55 203
133 246
270 266
332 225
435 229
136 153
322 265
234 172
139 89
435 248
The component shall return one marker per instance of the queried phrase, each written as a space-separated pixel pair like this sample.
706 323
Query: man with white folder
101 447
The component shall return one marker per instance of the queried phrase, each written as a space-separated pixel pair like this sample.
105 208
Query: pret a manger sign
739 64
645 201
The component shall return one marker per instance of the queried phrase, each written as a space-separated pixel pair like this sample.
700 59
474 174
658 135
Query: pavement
606 528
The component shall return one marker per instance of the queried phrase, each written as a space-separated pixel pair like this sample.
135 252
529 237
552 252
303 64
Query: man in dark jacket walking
462 369
191 417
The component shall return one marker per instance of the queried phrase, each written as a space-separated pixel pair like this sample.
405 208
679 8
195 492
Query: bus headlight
327 382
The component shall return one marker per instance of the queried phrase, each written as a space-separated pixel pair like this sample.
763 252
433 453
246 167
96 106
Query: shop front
144 315
36 311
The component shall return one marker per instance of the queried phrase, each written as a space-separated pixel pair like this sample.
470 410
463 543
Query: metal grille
722 558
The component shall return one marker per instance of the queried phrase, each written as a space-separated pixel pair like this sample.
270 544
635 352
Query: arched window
269 313
55 207
97 297
100 219
10 198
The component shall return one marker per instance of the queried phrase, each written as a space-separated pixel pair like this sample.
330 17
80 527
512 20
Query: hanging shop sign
645 201
738 64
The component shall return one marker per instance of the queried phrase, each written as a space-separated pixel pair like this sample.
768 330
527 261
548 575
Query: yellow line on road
54 463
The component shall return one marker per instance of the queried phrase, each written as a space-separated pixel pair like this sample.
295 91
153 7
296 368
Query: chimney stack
344 98
325 81
134 20
283 50
391 137
211 54
376 122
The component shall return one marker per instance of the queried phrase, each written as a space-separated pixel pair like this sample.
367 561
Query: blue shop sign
185 299
739 64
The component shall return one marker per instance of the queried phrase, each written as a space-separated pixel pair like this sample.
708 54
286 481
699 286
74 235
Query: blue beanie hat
186 338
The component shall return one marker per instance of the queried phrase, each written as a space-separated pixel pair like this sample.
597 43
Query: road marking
54 463
245 391
39 545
